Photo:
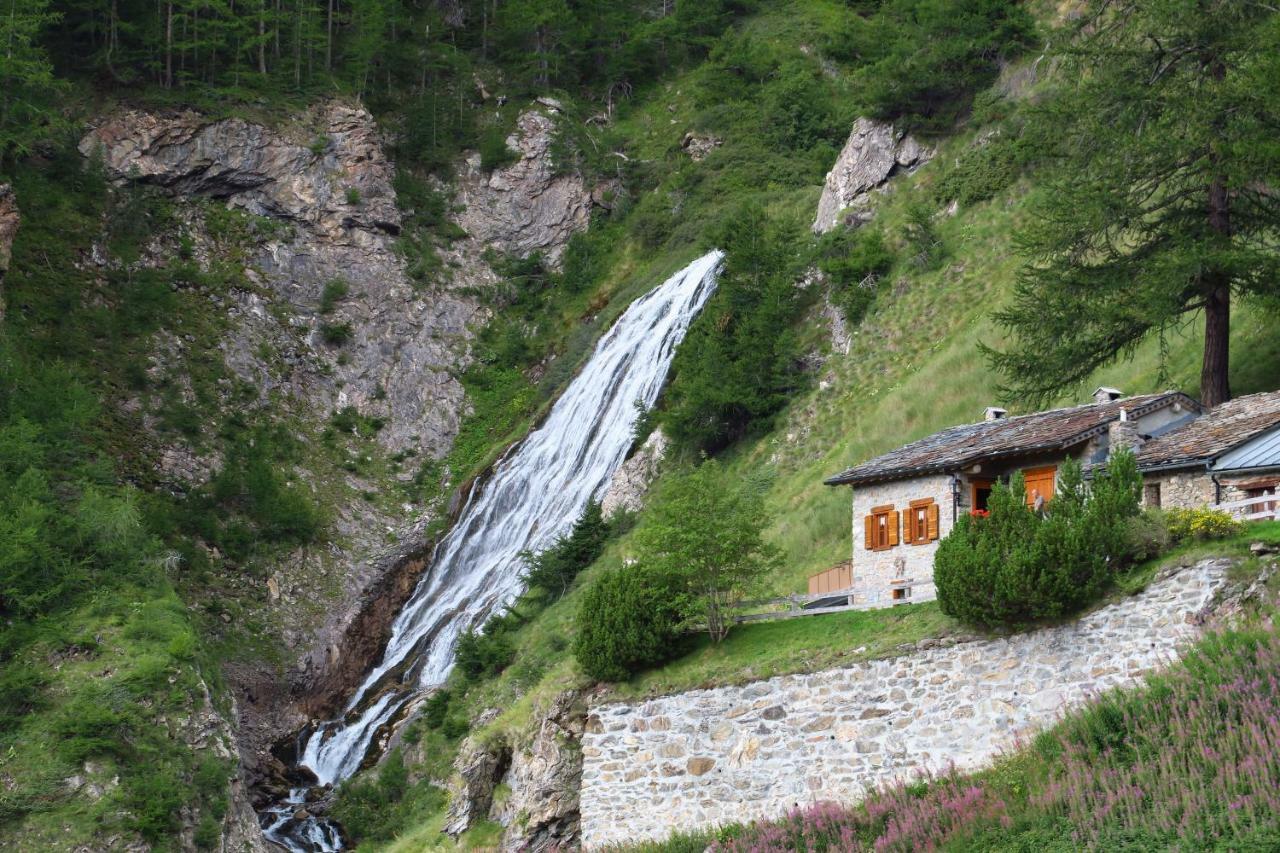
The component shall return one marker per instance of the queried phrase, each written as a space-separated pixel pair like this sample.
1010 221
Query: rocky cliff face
542 770
872 154
322 184
528 206
327 181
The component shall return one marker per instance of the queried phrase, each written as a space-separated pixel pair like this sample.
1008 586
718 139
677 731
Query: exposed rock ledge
631 481
874 152
739 753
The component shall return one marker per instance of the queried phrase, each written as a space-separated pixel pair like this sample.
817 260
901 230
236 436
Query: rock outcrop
631 481
874 151
478 769
529 206
542 811
327 179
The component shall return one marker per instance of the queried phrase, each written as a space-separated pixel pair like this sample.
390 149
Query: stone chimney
1122 433
994 413
1107 395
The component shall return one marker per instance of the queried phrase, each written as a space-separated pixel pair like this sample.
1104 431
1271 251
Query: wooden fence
1261 508
795 604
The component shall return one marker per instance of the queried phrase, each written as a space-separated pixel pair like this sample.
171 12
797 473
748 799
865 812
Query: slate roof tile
1213 433
961 446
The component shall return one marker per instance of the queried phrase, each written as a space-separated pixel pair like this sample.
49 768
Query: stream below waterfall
535 493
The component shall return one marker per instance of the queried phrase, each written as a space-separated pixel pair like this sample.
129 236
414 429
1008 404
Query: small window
1151 495
900 593
920 527
882 528
981 495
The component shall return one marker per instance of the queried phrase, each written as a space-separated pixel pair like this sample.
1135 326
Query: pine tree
1163 203
27 84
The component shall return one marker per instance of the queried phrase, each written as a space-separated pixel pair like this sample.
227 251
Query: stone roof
962 446
1213 433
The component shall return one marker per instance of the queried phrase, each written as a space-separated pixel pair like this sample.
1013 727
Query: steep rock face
545 777
479 768
873 152
329 181
631 482
528 206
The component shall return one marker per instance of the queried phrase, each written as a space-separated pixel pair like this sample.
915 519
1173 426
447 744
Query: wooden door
1040 483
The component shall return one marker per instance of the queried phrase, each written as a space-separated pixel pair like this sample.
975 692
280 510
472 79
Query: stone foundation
739 753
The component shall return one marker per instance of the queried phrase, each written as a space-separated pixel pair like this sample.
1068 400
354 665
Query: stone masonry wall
873 570
740 753
1184 489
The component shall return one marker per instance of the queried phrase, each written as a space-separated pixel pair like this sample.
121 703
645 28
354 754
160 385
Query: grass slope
913 367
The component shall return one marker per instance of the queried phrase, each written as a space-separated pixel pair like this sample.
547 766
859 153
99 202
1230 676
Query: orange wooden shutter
933 522
869 523
895 518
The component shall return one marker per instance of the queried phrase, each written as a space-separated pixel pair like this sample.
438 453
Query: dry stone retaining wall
754 751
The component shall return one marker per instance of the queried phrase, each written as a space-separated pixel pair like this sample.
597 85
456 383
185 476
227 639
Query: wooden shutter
895 518
869 523
933 522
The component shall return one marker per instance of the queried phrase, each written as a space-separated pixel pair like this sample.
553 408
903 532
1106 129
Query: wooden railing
1261 508
795 603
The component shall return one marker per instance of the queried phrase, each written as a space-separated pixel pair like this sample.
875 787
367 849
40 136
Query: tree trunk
168 46
1214 381
328 45
1215 387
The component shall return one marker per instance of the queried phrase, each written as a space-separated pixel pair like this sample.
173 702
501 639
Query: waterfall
536 492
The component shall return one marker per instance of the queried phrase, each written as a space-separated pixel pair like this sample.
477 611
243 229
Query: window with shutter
921 524
881 528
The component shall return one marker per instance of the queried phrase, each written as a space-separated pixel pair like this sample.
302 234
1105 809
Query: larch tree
703 532
1164 200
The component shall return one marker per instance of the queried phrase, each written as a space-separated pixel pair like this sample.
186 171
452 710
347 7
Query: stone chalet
905 501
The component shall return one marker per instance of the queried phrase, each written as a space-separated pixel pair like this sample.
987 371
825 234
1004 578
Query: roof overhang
956 465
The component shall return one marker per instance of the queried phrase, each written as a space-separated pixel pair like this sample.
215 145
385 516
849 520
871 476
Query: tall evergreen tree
1164 203
27 83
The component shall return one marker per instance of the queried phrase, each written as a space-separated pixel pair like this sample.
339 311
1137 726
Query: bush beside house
1016 564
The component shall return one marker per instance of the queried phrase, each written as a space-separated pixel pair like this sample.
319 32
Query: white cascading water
536 492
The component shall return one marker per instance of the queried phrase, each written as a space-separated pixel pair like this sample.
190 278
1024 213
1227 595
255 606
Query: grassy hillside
913 367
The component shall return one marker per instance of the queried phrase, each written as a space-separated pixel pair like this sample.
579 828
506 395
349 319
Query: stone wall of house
754 751
874 570
1182 489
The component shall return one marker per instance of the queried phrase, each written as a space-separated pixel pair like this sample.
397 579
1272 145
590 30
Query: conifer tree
1163 205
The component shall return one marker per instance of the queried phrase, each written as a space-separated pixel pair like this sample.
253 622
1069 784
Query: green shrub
740 362
1201 525
980 173
436 709
854 263
1147 535
486 653
494 152
335 334
353 196
554 569
1017 565
455 726
627 620
21 692
334 292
